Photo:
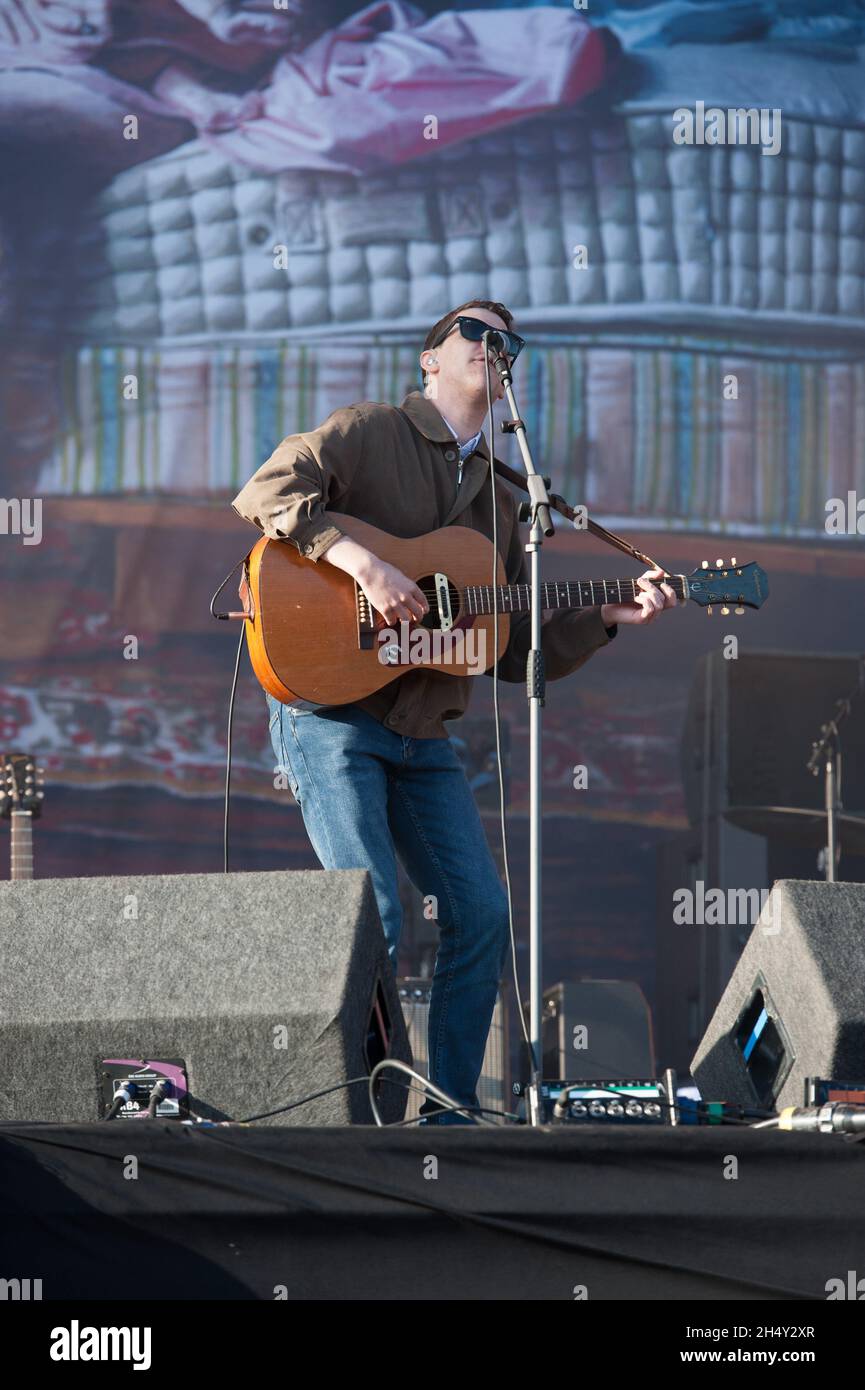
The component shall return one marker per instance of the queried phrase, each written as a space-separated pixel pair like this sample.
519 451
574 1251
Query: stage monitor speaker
254 990
795 1003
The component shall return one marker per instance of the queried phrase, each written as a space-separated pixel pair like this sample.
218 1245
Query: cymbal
799 826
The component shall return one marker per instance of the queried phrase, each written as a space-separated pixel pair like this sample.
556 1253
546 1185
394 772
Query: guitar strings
555 583
558 583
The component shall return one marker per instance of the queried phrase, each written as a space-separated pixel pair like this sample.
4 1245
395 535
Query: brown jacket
396 468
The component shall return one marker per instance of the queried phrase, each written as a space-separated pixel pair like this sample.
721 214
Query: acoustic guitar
313 635
21 798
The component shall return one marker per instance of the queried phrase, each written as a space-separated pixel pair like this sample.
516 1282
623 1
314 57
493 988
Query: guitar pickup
443 602
365 621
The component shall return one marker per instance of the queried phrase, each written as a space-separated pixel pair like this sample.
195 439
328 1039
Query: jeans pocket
285 769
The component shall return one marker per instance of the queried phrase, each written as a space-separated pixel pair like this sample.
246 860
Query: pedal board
610 1102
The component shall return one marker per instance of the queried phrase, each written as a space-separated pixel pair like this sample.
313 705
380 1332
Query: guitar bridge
365 621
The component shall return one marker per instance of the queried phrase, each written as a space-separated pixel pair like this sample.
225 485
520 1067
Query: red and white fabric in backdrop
380 88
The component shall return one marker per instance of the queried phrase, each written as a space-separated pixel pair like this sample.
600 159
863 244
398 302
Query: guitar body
312 634
306 636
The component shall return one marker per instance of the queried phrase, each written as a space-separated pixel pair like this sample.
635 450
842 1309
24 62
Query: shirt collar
469 446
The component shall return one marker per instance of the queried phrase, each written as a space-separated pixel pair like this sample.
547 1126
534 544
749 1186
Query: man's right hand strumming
391 593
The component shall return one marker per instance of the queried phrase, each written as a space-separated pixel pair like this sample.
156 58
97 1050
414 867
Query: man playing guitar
379 778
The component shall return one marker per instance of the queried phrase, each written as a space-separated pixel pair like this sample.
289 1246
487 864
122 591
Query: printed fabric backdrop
225 219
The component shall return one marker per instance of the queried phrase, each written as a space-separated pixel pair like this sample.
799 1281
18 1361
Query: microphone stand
537 512
827 749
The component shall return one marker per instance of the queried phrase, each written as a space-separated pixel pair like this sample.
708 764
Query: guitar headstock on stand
21 784
746 586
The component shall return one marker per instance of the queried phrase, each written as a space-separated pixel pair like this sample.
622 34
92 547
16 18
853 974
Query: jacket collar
427 418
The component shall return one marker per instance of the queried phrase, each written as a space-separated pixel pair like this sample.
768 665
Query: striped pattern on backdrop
643 434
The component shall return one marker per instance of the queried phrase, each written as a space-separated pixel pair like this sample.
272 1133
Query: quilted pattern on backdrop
721 236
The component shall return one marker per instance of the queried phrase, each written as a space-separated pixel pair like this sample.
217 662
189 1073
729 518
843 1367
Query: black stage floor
143 1210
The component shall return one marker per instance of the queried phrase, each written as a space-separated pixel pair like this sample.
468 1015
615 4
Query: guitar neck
564 593
21 846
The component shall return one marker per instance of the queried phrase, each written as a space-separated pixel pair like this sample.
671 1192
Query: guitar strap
560 505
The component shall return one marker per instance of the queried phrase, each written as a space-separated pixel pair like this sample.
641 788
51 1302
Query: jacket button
450 455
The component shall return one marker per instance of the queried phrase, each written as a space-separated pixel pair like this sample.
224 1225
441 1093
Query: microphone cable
224 617
124 1094
835 1117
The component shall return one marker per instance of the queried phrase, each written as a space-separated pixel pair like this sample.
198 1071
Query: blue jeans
368 795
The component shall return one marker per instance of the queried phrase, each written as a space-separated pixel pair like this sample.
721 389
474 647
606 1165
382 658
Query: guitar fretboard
562 593
21 846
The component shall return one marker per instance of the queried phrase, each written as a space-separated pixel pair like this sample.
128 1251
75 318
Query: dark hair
438 329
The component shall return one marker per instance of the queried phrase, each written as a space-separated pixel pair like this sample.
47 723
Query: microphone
497 343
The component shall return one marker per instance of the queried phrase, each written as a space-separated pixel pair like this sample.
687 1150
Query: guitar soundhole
431 620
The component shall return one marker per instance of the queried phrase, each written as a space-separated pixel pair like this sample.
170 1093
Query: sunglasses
474 330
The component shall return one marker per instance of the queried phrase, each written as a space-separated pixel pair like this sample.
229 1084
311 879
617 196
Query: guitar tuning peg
725 611
732 560
719 564
739 609
704 564
709 610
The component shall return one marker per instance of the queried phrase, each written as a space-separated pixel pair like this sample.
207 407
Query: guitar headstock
20 784
745 585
